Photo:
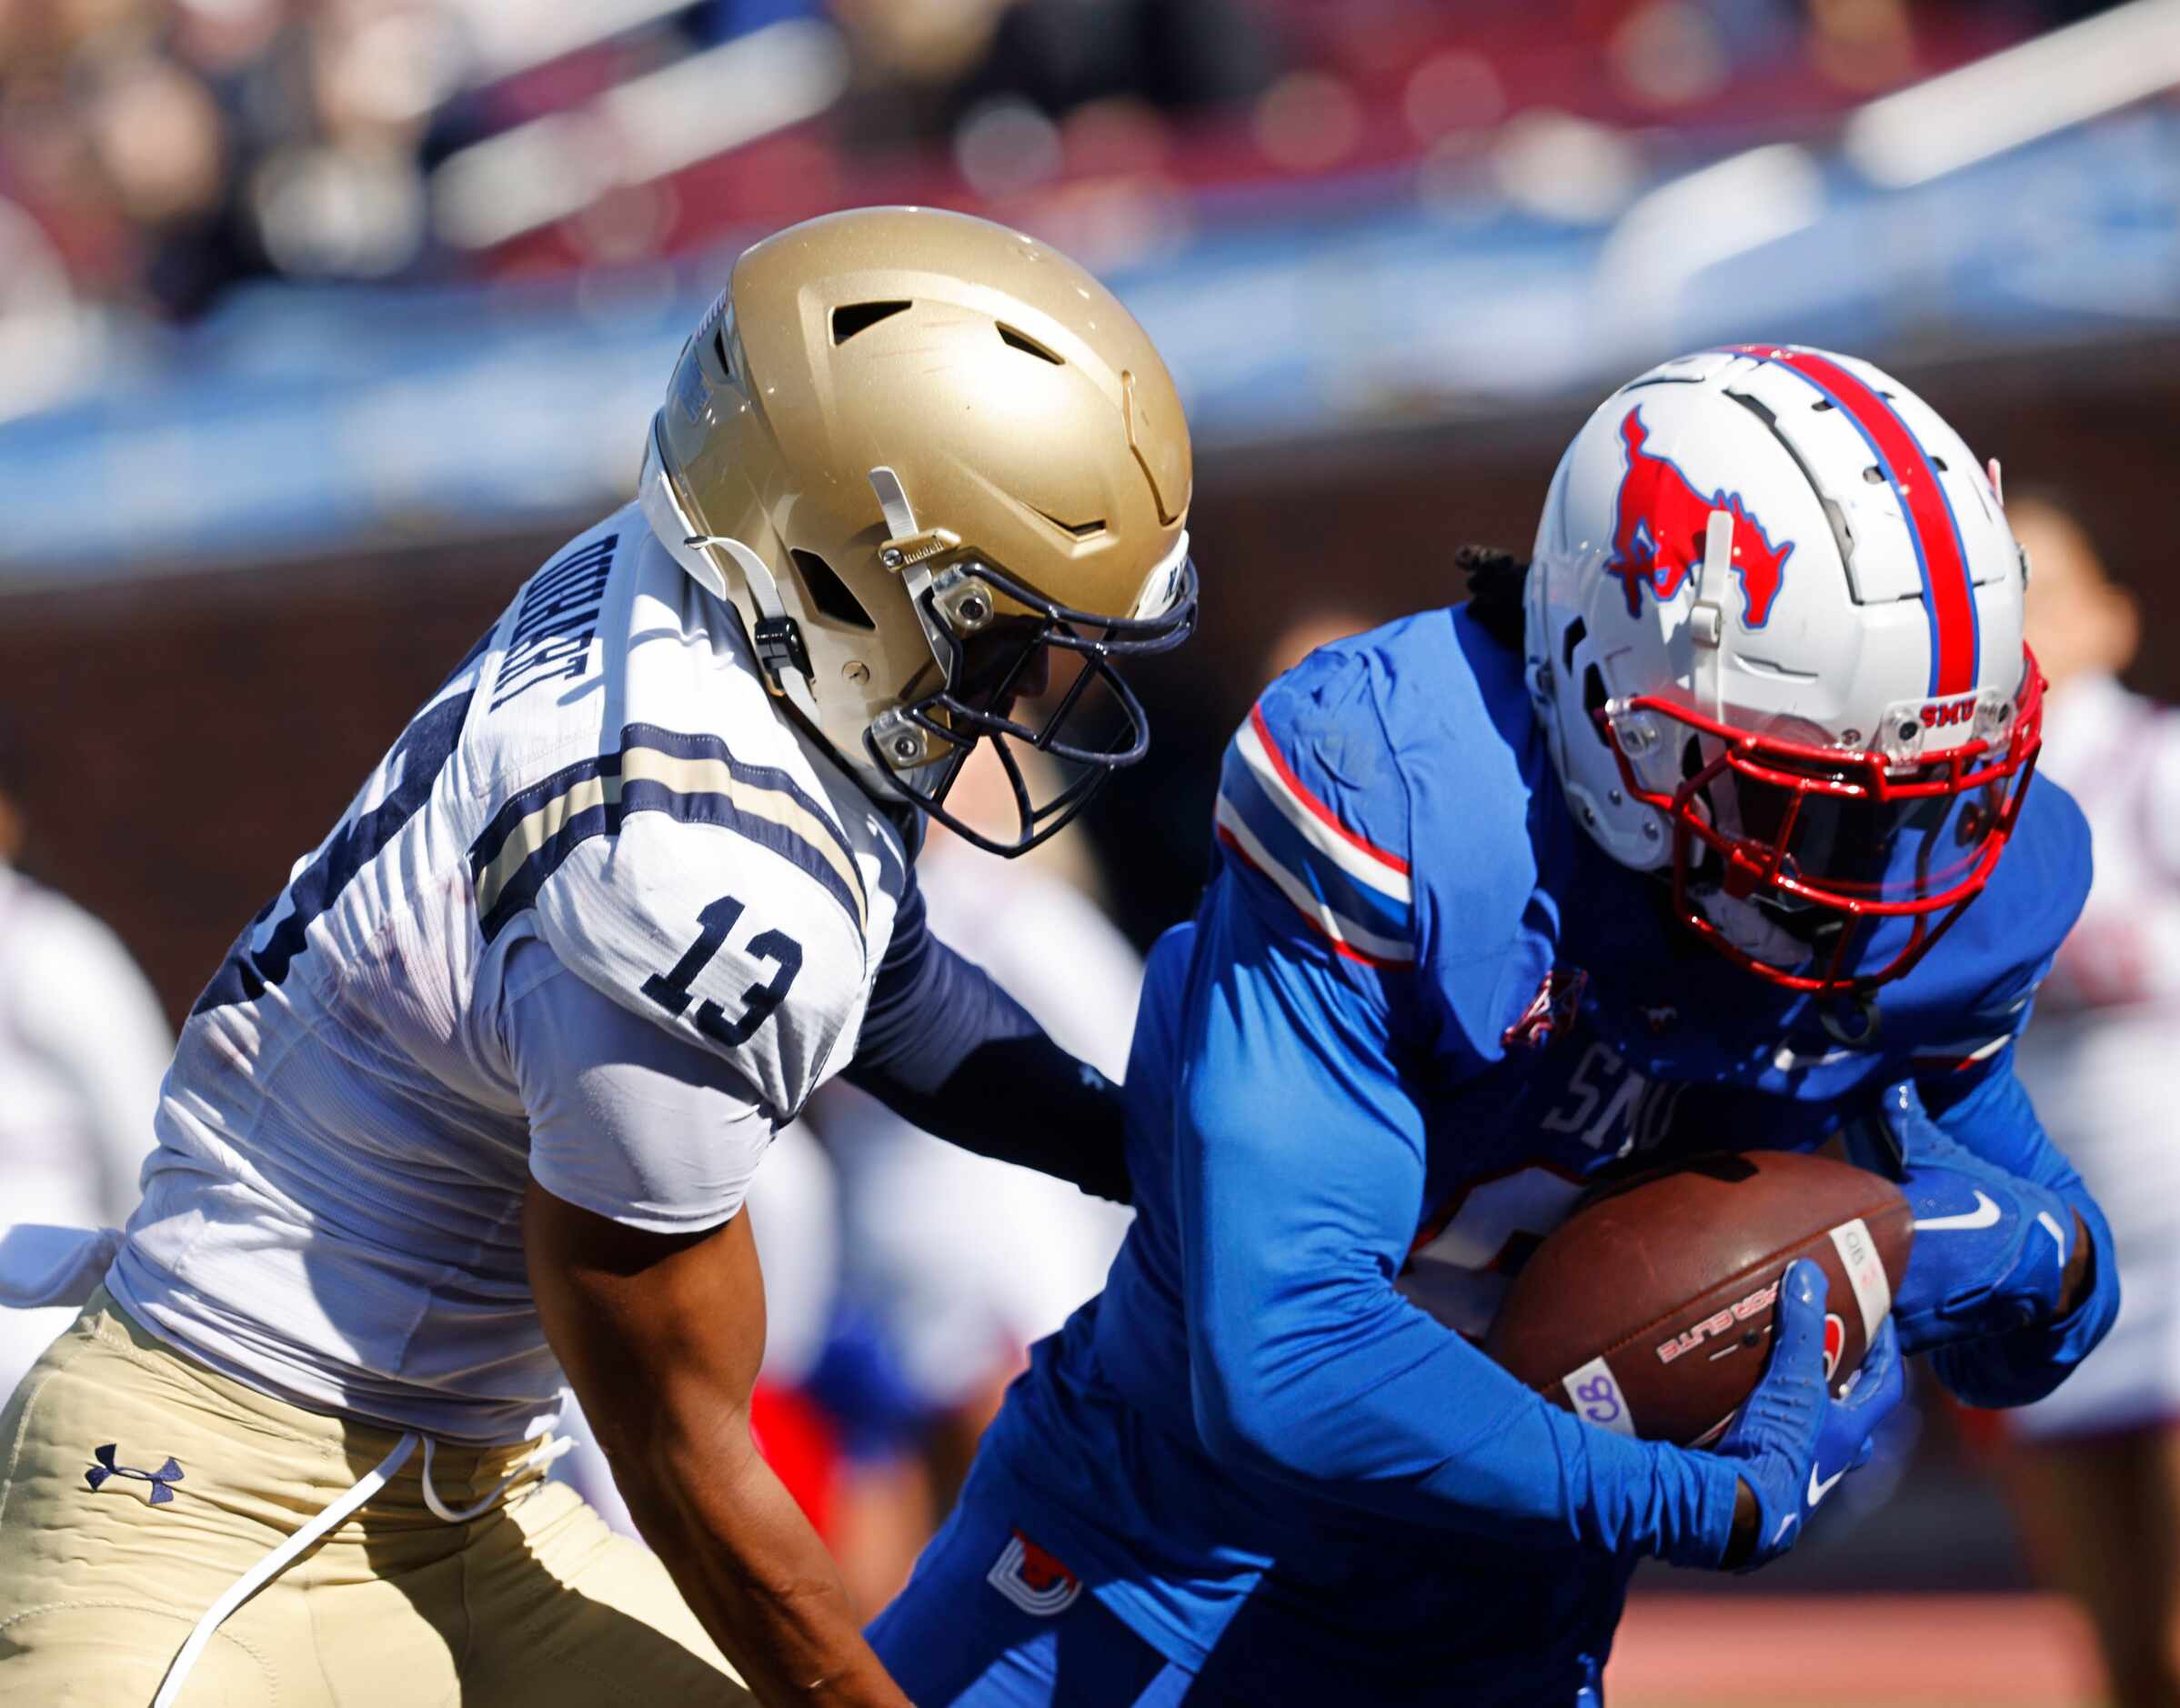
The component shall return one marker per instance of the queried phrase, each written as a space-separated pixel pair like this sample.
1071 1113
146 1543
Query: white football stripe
1362 866
1865 1273
1335 926
1594 1393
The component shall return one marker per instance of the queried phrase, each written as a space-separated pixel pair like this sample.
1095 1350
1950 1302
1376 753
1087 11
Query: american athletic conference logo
1032 1579
1660 521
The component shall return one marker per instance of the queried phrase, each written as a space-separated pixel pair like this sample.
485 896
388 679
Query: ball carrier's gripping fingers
1993 1252
1792 1442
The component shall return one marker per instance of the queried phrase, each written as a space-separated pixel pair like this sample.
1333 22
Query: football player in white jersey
2098 1470
475 1099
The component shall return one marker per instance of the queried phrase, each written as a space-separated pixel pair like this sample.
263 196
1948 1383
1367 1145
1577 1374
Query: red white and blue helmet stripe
1948 586
1356 895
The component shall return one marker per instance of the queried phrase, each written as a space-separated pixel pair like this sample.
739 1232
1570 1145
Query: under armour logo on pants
169 1472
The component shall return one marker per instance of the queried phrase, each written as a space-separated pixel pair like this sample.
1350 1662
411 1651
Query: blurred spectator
44 334
174 148
951 1265
82 1049
1177 56
2097 1465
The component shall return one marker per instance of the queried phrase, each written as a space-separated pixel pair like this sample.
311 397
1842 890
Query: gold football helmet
921 454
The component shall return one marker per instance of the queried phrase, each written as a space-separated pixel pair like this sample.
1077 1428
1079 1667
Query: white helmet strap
784 666
893 499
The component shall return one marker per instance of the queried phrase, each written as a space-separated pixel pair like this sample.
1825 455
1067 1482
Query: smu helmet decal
1659 523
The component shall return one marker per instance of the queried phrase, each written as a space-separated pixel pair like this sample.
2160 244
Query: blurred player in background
475 1101
82 1048
2097 1469
1669 837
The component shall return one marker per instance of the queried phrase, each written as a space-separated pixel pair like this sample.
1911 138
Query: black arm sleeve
944 1048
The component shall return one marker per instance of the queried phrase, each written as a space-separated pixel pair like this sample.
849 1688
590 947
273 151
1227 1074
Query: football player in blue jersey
1665 840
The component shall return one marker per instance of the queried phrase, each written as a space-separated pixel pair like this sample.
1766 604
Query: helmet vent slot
719 343
1028 346
827 592
1577 632
1081 530
853 317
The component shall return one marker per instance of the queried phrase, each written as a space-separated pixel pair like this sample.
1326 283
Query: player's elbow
1244 1422
1235 1427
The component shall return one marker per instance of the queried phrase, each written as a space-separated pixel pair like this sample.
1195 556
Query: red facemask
1836 838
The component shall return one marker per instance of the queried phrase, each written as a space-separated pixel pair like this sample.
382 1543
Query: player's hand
1792 1442
1992 1251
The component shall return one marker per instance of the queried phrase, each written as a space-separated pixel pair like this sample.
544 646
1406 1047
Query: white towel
41 1265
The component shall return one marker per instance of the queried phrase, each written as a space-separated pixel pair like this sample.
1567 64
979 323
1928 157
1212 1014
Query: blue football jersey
1417 1014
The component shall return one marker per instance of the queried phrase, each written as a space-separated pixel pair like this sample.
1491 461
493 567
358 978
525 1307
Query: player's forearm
750 1566
945 1048
1403 1419
661 1336
1022 1099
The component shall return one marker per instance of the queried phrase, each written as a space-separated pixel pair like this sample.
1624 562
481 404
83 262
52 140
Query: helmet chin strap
778 641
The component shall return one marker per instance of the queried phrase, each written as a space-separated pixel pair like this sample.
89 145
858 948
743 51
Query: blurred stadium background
323 321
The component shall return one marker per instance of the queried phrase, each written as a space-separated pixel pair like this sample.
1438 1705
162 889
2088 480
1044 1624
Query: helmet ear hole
1593 698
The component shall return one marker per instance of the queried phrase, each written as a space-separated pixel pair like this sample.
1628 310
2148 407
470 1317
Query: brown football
1649 1310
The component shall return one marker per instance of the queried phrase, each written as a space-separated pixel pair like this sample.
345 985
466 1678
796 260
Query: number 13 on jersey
671 990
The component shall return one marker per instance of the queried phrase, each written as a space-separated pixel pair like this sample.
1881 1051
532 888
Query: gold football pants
535 1602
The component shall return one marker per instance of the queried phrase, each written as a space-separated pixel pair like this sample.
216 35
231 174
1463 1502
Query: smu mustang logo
1658 529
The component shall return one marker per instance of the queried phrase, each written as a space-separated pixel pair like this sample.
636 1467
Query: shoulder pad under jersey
689 863
1312 805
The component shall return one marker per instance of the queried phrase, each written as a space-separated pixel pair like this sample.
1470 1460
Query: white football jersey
345 1135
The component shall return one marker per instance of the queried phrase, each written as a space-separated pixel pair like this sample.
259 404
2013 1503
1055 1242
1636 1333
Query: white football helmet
1773 636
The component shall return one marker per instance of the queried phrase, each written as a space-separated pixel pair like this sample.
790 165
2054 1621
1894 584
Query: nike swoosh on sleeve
1984 1215
1819 1487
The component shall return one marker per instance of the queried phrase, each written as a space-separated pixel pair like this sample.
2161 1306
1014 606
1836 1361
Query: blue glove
1991 1247
1792 1442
